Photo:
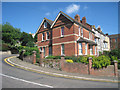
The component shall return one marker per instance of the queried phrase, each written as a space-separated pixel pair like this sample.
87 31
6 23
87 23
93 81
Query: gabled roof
71 19
48 20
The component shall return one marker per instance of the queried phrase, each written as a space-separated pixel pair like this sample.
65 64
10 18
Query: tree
10 35
35 38
25 39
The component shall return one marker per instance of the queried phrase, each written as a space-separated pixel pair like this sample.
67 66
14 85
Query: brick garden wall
28 59
75 68
81 68
109 71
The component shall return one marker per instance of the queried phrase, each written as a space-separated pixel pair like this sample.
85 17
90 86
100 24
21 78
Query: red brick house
67 36
114 41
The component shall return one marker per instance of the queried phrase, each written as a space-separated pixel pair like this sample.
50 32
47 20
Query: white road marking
26 81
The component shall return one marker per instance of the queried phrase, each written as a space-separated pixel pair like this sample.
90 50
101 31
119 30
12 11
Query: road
17 78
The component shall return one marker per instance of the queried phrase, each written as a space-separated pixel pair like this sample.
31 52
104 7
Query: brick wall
109 71
28 59
87 68
75 68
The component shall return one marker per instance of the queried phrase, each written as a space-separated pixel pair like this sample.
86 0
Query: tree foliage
26 39
10 35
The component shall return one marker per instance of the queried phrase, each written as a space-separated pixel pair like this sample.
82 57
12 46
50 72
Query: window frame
80 49
40 49
81 32
62 49
45 24
43 36
86 47
62 31
91 49
43 51
47 38
95 50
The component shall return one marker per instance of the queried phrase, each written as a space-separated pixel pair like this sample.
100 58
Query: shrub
106 53
84 59
69 61
100 53
75 59
53 57
5 47
115 52
101 61
29 51
14 50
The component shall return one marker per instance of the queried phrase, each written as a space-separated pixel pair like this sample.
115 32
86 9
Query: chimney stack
77 17
99 28
84 20
106 34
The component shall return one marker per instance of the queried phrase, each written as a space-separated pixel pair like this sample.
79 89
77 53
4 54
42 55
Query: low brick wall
81 68
51 63
108 71
75 68
28 59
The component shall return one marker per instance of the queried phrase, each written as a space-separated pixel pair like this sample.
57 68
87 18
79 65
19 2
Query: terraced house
66 36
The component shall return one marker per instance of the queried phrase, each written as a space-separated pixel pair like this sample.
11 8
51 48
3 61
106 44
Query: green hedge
53 57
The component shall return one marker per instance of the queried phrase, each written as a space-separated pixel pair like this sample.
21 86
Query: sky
28 15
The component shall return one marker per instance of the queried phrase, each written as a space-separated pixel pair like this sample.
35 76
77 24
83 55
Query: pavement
16 62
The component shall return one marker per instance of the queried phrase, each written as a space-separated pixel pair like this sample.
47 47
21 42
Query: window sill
42 40
61 36
47 39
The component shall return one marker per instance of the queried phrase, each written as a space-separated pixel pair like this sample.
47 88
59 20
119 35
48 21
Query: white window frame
43 51
95 40
91 49
47 35
95 50
43 36
80 49
90 35
62 47
45 24
40 49
62 30
81 32
86 47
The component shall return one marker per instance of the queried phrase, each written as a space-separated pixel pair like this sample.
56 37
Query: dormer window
45 24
